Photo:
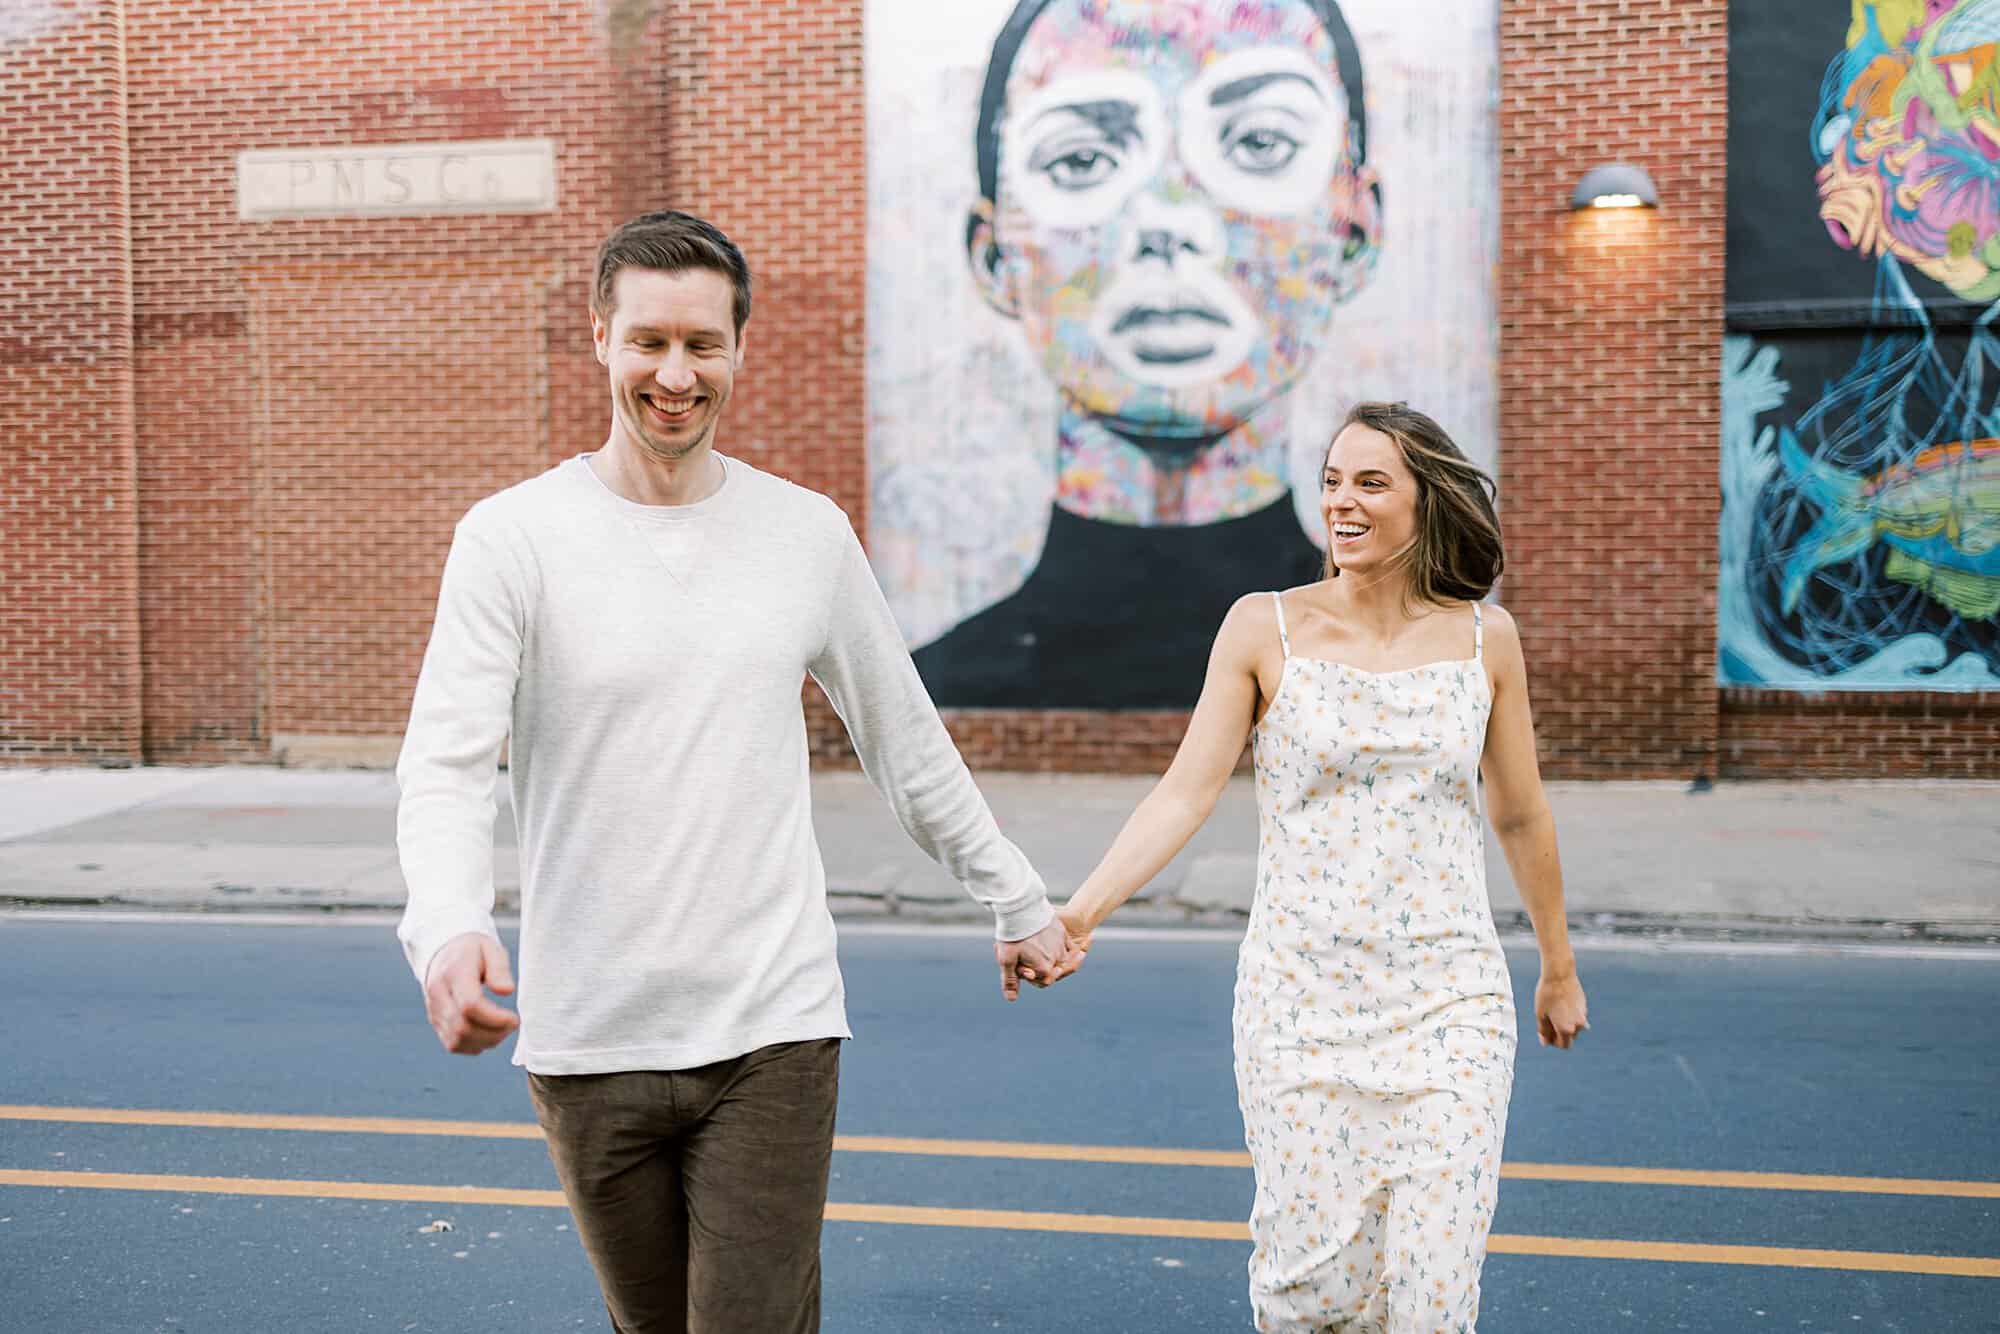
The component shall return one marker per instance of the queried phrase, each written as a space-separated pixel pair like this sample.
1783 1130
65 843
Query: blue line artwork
1861 540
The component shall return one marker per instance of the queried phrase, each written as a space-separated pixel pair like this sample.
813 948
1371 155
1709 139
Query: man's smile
673 408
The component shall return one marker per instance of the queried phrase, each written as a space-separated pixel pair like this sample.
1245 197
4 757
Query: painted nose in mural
1169 318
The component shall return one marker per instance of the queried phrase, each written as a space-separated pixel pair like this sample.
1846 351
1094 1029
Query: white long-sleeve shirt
648 661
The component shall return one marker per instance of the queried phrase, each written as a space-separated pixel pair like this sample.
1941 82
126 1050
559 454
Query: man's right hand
455 987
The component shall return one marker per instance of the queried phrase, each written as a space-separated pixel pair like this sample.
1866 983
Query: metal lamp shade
1615 185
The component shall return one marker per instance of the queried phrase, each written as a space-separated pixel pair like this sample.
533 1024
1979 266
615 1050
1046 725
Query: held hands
1043 959
455 987
1076 926
1559 1009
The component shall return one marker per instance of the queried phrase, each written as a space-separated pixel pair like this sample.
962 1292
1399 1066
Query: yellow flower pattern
1374 1019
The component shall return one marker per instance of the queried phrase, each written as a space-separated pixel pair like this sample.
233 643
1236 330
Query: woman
1374 1019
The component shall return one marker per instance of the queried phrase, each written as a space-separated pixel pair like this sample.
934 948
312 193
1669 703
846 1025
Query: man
640 620
1175 197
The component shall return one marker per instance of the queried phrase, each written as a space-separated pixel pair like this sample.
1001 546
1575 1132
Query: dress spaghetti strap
1478 634
1284 640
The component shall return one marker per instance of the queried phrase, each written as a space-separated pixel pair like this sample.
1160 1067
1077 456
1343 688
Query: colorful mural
1129 262
1861 427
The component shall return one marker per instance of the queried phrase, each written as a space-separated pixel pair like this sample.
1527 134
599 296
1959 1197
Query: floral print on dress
1374 1019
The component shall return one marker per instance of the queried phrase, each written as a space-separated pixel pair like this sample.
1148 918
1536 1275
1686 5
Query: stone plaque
390 180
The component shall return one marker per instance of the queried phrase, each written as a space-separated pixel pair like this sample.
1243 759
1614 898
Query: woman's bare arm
1170 814
1519 812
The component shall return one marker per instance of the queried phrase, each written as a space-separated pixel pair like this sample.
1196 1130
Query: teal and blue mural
1860 544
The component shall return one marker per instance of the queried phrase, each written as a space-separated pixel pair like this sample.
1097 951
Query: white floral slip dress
1374 1020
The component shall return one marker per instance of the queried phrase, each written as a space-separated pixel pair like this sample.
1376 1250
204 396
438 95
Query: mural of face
1173 197
1178 210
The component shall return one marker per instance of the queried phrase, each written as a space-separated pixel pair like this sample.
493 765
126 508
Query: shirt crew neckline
707 505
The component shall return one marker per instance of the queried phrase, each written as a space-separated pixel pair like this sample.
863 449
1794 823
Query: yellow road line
1017 1220
1569 1172
1587 1248
1022 1151
1781 1257
308 1190
365 1125
1057 1153
1672 1176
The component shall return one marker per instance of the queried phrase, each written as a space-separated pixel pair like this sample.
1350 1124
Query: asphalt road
1842 1067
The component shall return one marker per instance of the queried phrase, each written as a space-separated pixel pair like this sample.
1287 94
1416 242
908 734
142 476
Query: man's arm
865 669
444 819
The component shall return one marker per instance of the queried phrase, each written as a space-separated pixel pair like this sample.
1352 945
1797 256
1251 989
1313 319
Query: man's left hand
1043 959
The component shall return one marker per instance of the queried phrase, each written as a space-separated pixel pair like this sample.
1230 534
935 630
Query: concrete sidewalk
1847 860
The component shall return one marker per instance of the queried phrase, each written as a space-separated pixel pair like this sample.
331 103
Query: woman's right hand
1559 1008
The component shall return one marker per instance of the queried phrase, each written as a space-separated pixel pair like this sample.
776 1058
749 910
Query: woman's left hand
1559 1009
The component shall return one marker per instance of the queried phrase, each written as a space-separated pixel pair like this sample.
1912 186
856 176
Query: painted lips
1171 335
1145 317
1175 333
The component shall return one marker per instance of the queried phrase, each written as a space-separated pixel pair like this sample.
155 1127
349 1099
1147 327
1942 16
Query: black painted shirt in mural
1116 616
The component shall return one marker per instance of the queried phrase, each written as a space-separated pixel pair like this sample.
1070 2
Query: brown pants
699 1193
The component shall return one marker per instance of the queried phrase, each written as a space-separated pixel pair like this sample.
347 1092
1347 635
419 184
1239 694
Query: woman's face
1368 500
1174 197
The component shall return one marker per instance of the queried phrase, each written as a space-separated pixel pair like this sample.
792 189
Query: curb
850 905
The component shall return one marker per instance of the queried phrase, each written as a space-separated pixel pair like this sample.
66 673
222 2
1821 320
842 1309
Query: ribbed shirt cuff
422 940
1019 923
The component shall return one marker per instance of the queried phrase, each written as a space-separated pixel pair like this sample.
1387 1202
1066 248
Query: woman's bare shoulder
1250 613
1503 640
1250 626
1500 621
1259 611
1301 599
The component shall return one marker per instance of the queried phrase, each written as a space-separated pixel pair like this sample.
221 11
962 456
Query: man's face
1174 196
671 346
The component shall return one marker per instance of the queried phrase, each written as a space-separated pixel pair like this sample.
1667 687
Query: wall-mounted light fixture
1615 185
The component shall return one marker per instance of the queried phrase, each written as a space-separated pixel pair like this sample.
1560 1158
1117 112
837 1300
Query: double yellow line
1100 1224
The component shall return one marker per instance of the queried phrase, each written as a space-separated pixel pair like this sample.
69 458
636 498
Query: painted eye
1081 169
1262 150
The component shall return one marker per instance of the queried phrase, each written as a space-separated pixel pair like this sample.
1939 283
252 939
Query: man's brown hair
1457 553
671 242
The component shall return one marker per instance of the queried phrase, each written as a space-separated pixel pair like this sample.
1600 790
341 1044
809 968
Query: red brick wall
320 399
370 459
1610 377
69 580
1861 734
243 447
